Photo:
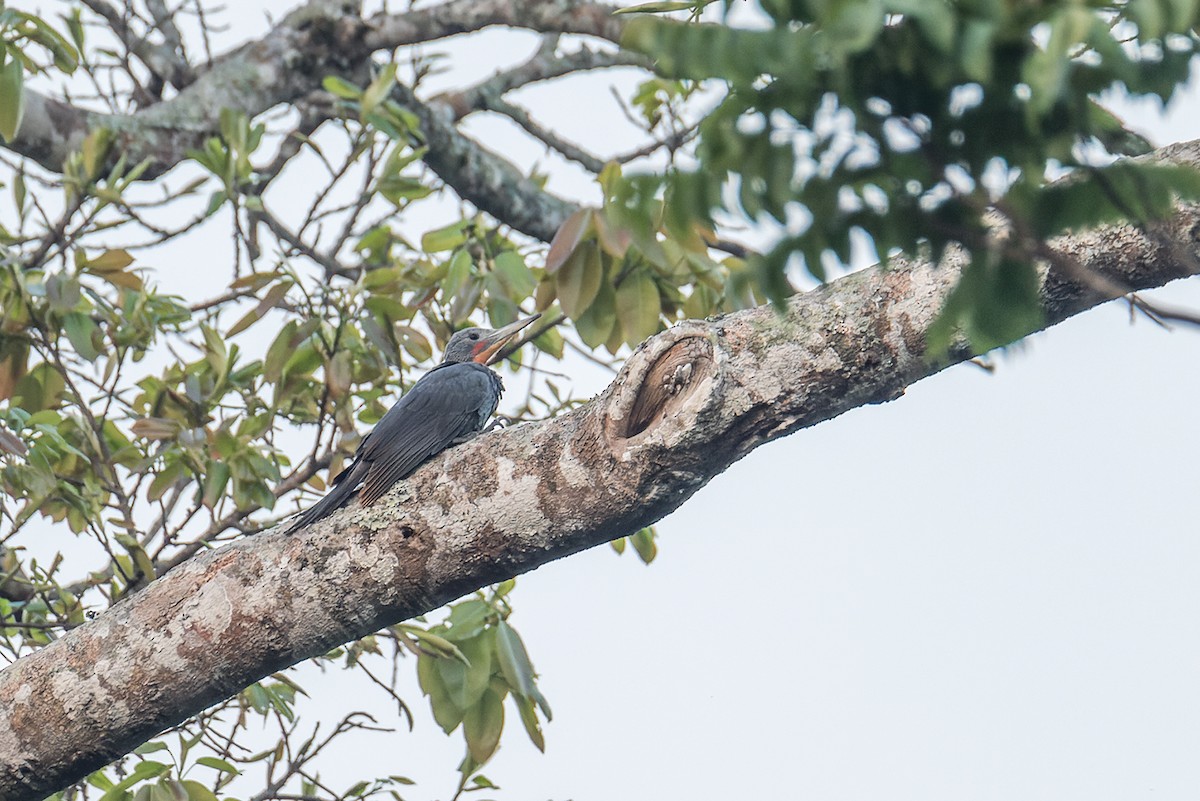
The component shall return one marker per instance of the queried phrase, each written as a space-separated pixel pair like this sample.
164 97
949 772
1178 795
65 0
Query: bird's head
482 344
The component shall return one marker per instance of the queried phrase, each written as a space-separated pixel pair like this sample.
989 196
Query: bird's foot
500 421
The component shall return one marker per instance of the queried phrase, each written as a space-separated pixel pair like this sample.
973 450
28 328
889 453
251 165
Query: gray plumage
448 405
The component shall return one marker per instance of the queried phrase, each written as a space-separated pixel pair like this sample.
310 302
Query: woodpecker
448 405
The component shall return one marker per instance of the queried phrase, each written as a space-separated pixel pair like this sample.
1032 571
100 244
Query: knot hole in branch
667 384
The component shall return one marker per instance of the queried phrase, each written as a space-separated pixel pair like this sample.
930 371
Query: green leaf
215 201
94 151
479 651
457 274
273 298
12 97
578 280
81 329
164 480
995 302
155 428
19 191
218 764
100 781
643 542
567 238
975 49
482 725
339 87
936 20
197 791
64 293
75 26
516 667
1182 14
413 341
614 240
140 558
1149 16
280 351
257 697
146 769
529 719
708 50
465 683
1007 308
596 324
378 89
1045 72
215 479
123 279
109 261
446 238
387 307
445 711
638 307
439 646
1125 190
551 341
516 278
168 790
467 619
338 377
854 24
466 300
303 361
41 388
36 29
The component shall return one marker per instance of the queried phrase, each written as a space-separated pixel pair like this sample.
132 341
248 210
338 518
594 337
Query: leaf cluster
468 665
613 273
912 121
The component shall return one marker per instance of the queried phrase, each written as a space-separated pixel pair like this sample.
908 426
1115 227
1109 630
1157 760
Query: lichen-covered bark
688 403
486 179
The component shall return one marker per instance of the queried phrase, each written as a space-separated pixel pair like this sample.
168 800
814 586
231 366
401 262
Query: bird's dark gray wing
445 405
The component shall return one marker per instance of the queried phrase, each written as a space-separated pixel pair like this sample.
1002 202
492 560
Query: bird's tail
344 487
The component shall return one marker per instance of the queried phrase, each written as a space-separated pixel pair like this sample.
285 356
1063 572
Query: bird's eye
474 336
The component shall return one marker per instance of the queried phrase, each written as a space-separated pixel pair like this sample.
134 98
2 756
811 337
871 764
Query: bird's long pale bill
496 340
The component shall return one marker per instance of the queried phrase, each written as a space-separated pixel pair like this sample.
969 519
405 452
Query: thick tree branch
691 401
321 38
486 179
288 62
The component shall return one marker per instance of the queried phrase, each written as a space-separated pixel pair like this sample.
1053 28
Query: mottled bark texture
687 404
